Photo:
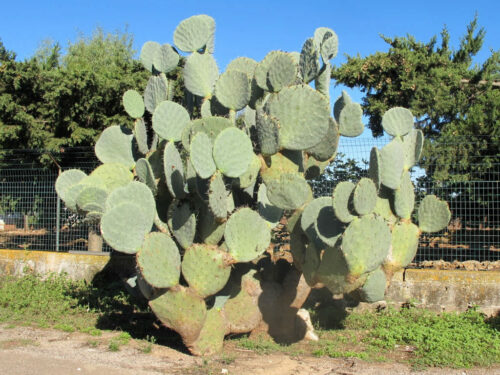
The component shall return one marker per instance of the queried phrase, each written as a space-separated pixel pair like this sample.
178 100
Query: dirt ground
27 351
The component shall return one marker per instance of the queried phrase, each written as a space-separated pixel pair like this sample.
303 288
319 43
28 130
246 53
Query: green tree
50 101
455 103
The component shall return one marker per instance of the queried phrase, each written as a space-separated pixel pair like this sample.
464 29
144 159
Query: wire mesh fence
34 219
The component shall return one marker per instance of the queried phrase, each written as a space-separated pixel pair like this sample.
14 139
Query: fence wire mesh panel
466 174
32 217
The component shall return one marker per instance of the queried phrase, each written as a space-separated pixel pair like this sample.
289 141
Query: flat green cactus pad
413 142
303 114
327 147
141 136
232 152
311 264
211 126
327 226
341 201
159 260
374 168
174 171
404 197
200 74
262 69
137 193
322 81
206 268
404 244
148 52
233 90
333 271
249 178
182 223
211 338
267 133
289 192
350 124
124 226
270 213
383 206
171 308
145 174
391 164
210 231
241 312
374 288
115 146
365 196
314 168
133 103
200 152
247 235
217 197
310 215
193 33
282 72
243 64
92 198
113 175
340 104
326 41
64 182
169 120
282 163
397 121
433 214
365 244
309 61
155 93
165 58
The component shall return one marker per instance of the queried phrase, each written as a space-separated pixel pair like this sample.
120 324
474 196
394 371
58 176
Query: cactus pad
309 61
341 201
124 226
267 133
364 197
217 197
303 114
233 90
65 181
171 309
247 235
350 124
200 74
340 104
210 231
135 192
145 174
159 260
433 214
165 58
282 72
365 244
155 93
391 164
404 197
201 151
374 168
270 213
148 52
174 171
397 121
115 146
113 175
413 143
133 103
141 136
289 192
211 338
206 269
169 120
374 288
232 152
327 147
326 41
182 223
404 245
193 33
92 198
311 264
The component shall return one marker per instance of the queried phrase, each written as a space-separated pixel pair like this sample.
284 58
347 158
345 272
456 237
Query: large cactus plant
194 189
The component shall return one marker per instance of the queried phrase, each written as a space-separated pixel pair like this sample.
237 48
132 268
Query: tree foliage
455 103
50 100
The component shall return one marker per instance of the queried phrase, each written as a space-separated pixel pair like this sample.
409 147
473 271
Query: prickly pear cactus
194 189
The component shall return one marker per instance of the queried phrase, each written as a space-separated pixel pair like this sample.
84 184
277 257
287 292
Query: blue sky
247 28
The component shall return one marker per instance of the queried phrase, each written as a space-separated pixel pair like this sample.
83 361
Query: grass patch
118 341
